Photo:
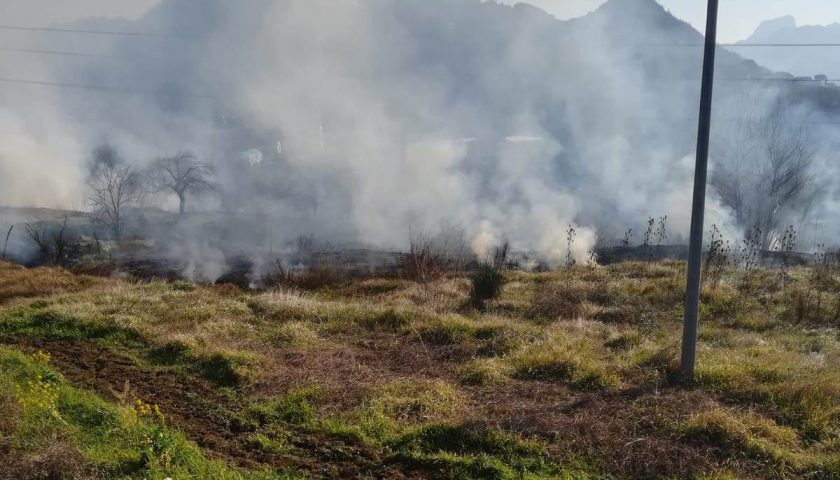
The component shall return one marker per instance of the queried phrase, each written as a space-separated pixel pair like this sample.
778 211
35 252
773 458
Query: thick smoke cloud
357 121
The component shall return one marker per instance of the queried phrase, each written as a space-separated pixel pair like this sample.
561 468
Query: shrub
428 259
487 280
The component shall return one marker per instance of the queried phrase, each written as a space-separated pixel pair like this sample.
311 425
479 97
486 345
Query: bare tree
765 171
6 245
56 247
183 174
112 188
41 241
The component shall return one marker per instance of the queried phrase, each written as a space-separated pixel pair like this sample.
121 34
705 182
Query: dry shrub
320 276
426 261
279 277
432 258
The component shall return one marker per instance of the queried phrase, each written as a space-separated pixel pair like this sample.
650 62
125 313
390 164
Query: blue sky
738 18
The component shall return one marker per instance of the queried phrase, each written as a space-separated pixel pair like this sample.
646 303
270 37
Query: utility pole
698 210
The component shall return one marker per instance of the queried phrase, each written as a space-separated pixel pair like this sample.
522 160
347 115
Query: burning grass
564 374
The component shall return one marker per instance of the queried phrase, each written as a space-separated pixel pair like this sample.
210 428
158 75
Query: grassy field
567 374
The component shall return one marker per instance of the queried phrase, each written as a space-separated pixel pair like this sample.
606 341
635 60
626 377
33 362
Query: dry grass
17 282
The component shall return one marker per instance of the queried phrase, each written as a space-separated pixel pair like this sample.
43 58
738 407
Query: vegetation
564 374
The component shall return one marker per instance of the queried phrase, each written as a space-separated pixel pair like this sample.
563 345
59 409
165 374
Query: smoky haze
358 121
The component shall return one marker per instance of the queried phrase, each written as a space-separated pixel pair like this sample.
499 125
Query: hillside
567 374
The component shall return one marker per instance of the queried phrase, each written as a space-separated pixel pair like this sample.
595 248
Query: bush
487 280
428 259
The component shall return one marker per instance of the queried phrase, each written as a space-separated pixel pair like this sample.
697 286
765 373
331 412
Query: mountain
768 28
799 61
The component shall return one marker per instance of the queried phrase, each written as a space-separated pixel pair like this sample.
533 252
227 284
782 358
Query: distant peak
635 5
770 27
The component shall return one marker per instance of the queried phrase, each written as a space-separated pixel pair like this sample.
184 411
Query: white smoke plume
356 121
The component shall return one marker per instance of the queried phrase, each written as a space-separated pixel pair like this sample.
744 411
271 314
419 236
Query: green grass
296 408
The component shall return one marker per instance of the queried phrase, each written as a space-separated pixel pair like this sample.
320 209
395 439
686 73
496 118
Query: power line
772 79
90 32
739 45
103 88
52 52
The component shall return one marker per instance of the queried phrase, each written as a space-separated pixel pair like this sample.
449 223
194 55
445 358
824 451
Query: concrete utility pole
698 210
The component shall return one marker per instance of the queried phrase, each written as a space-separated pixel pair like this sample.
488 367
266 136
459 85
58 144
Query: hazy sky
738 18
45 12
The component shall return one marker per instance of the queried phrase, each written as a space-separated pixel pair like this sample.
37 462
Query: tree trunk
183 203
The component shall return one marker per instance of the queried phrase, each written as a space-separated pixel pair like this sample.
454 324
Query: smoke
356 121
